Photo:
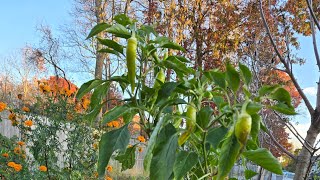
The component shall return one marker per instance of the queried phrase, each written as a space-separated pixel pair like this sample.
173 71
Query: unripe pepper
177 121
131 56
160 77
191 124
243 125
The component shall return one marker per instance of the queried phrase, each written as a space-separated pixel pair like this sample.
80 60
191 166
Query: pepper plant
198 124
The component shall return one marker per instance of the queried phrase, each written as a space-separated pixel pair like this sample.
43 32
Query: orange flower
141 139
20 143
116 124
109 124
28 123
108 178
6 155
12 116
95 146
136 127
43 168
11 164
17 167
44 88
25 109
68 92
2 106
109 168
17 150
140 149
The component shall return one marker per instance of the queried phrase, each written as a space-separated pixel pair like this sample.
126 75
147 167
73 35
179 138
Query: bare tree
305 157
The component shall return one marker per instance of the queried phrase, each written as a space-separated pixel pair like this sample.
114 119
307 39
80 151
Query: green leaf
87 87
204 116
248 174
265 159
151 145
232 77
219 101
98 94
267 90
110 142
255 127
217 77
166 90
246 74
122 19
281 95
146 30
111 51
171 102
127 159
252 145
97 29
116 112
172 45
179 67
128 116
228 156
184 163
216 135
164 154
111 44
263 127
92 115
119 31
181 58
283 108
253 108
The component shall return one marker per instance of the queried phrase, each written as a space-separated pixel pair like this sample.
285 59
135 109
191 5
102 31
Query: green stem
228 98
198 158
213 121
204 151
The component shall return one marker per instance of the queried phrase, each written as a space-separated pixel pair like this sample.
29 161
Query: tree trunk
303 159
99 56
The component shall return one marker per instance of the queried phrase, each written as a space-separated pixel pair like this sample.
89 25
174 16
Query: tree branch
280 146
313 15
287 67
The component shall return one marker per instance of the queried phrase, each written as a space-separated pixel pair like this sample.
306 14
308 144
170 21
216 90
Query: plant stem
204 151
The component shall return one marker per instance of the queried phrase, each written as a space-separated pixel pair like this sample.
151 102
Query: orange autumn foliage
58 86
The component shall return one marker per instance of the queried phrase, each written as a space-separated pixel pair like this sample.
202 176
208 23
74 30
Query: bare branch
313 15
280 146
286 65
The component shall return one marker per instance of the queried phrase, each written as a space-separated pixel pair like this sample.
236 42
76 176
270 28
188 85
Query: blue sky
19 19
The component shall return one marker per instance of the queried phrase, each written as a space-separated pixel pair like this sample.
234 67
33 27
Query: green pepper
160 77
243 125
131 56
190 124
